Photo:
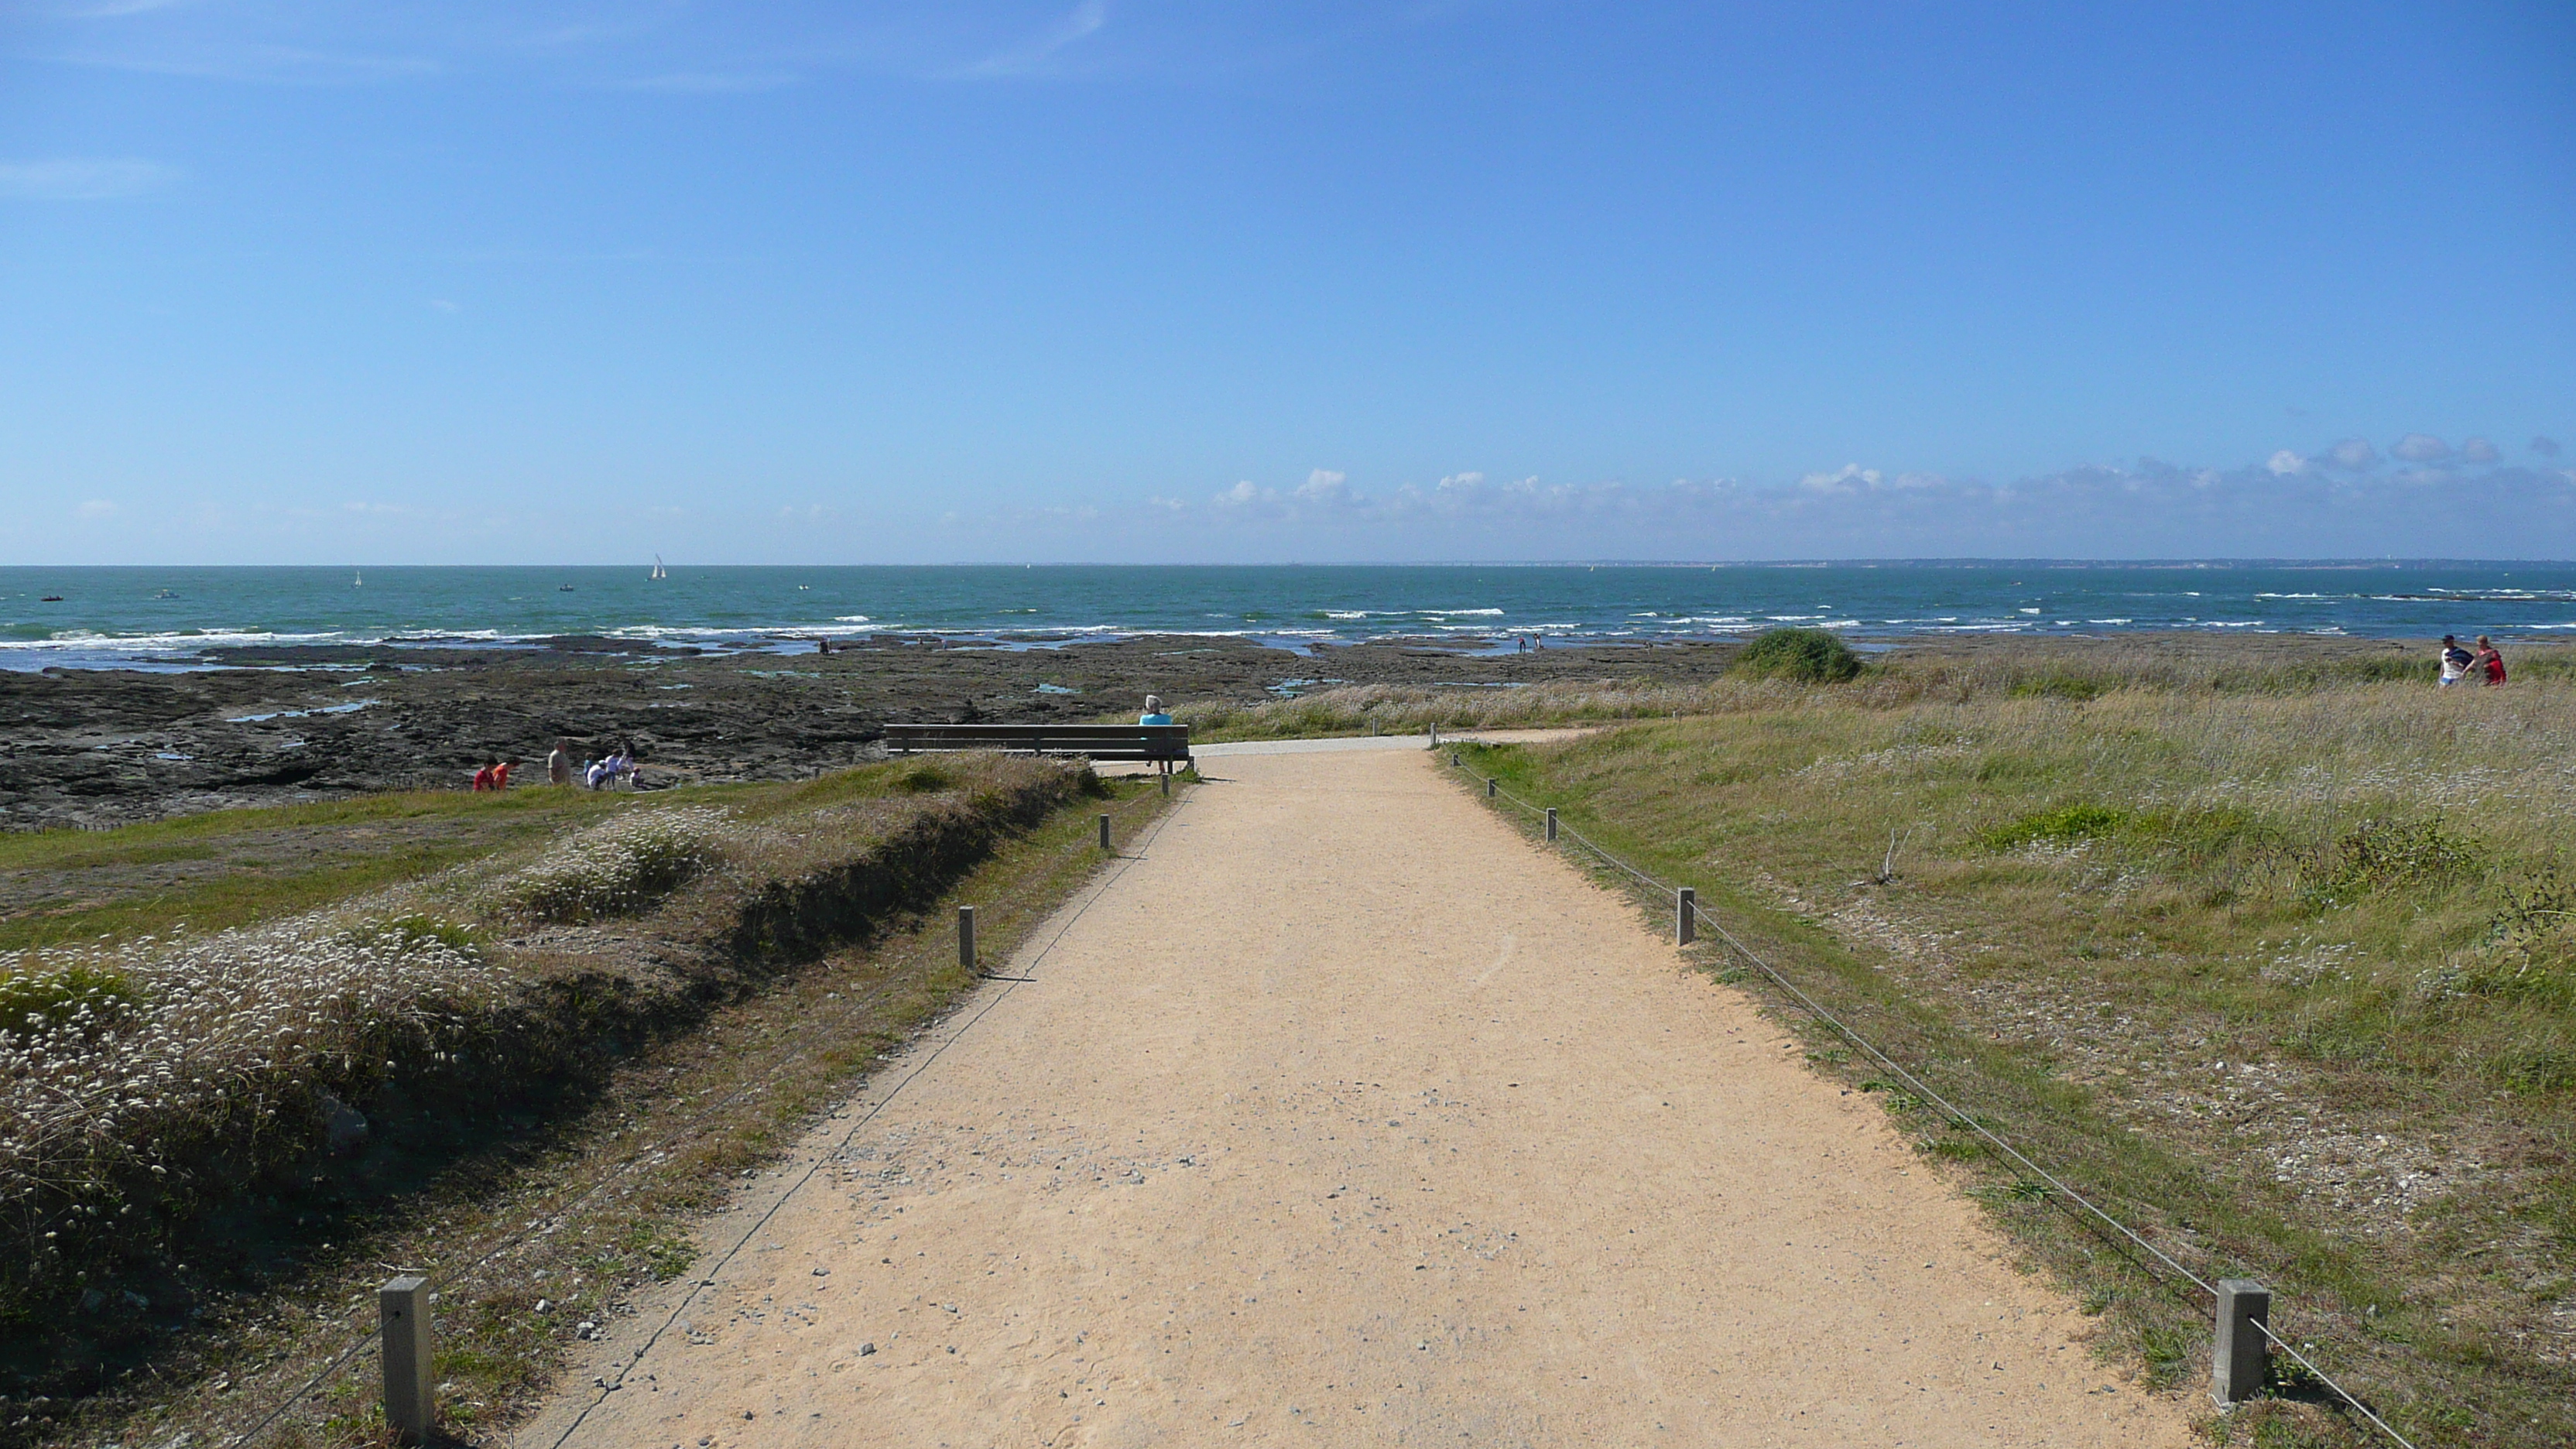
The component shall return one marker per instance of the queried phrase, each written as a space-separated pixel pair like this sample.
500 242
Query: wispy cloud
1042 53
81 179
2283 506
706 83
288 65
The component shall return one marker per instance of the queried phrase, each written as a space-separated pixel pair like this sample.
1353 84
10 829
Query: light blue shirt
1149 719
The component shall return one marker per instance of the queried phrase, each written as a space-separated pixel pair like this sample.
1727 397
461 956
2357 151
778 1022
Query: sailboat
658 571
360 581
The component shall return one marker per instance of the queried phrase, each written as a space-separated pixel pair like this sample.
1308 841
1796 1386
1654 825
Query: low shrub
78 996
622 868
2059 686
168 1069
2065 823
1806 656
2380 855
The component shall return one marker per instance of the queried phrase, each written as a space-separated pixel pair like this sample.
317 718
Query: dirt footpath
1346 1116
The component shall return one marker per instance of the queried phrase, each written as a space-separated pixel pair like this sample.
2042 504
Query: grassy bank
1916 674
190 1111
2280 961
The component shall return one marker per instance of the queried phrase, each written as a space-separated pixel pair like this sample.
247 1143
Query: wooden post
2237 1359
1686 918
1104 832
966 937
1551 822
1492 786
411 1391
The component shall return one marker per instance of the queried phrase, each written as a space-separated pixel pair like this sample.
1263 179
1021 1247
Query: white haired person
1153 714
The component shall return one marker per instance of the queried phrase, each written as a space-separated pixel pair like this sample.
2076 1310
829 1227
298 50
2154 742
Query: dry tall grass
1915 675
2288 973
142 1080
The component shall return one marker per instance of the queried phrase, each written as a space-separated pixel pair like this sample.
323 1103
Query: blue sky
295 281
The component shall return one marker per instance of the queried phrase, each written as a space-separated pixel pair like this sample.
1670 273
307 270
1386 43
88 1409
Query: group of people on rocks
564 768
2461 665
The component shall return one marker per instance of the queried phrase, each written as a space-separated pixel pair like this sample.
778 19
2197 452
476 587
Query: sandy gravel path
1346 1116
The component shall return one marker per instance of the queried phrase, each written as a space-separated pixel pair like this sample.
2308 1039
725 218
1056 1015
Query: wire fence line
2090 1214
1009 984
644 1156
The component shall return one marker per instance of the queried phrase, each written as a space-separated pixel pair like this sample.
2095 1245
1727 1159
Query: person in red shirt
483 777
501 773
2488 665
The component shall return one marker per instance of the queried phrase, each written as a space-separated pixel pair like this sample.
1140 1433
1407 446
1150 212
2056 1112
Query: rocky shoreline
92 748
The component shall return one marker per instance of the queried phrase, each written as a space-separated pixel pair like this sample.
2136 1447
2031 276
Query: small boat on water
360 581
166 594
51 599
658 571
563 588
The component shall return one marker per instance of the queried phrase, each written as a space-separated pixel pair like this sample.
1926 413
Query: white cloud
1241 495
2286 464
2479 450
79 179
1852 479
1326 487
1039 54
2352 453
2420 448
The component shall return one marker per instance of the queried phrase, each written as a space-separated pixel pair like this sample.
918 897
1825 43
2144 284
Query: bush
1808 656
2065 823
2382 854
2059 686
622 868
37 1003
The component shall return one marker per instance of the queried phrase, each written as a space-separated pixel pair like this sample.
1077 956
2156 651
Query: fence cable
1925 1091
1011 984
643 1156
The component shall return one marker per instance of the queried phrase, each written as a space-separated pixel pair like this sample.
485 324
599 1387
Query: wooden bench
1169 744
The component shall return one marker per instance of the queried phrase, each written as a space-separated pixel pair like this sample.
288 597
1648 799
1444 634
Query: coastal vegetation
2273 956
202 1121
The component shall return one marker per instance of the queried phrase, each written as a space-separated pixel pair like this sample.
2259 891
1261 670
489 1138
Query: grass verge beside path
591 1193
2280 980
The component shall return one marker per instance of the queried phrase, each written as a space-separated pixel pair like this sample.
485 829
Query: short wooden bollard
1104 832
966 937
411 1392
1435 737
1491 786
1167 782
2237 1360
1686 918
1551 822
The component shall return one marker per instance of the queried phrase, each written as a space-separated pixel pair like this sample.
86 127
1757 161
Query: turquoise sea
188 617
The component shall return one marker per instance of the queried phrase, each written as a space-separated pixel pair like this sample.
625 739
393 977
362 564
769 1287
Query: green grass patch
2060 825
2306 1012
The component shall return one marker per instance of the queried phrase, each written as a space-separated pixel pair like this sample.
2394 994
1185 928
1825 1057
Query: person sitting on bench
1153 714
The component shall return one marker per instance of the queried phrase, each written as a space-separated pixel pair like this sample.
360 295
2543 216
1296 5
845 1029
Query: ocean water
187 617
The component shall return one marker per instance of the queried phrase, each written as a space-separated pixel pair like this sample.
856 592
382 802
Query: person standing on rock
559 765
